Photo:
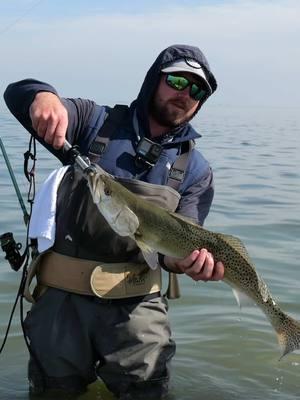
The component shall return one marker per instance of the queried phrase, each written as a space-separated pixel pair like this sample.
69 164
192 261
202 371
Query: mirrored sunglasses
177 82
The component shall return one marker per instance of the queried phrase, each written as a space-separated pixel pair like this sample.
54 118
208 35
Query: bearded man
77 335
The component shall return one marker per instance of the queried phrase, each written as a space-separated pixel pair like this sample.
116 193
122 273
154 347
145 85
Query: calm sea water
223 353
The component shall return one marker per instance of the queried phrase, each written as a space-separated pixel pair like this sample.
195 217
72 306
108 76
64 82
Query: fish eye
107 191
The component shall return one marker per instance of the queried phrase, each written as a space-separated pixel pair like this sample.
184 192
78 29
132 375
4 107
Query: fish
157 230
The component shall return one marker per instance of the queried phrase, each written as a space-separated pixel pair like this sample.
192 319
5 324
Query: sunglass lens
197 93
177 82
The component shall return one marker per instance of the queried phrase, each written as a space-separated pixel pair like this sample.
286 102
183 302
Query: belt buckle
108 284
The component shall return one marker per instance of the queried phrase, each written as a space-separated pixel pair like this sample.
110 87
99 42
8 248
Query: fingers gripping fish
155 229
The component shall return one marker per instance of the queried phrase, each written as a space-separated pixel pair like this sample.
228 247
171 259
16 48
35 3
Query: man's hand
199 265
49 118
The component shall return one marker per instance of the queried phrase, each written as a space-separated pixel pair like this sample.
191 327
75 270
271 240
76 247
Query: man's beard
172 113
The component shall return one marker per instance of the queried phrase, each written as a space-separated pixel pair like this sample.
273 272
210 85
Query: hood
151 81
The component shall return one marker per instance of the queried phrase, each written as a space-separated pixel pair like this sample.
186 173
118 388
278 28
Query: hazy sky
102 49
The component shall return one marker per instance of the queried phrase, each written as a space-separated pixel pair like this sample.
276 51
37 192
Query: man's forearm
19 96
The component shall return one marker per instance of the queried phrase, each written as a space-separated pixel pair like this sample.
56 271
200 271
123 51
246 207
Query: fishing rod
14 181
83 162
75 156
7 241
11 248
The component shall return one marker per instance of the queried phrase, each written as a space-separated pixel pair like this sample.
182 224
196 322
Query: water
223 352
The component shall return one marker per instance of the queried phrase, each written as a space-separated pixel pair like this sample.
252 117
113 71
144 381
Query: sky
102 49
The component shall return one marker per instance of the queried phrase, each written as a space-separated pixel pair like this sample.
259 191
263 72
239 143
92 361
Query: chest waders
88 257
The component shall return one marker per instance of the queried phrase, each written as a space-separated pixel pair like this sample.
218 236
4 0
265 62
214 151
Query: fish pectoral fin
150 255
242 299
151 259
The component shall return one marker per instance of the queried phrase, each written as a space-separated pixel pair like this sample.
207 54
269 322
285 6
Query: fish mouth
96 186
92 178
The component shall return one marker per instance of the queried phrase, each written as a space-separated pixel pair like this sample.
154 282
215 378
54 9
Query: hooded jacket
85 121
165 58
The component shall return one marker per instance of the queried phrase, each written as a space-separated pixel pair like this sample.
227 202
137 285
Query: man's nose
185 92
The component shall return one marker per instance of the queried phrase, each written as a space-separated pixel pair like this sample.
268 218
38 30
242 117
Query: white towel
42 223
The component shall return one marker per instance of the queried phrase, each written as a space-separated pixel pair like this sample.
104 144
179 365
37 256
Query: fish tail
288 334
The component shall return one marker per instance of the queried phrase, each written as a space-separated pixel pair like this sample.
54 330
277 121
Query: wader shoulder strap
175 178
178 169
114 119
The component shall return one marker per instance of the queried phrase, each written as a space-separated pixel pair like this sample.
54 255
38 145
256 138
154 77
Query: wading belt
93 278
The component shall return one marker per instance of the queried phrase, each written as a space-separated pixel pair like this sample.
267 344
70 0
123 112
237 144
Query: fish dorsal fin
183 218
237 245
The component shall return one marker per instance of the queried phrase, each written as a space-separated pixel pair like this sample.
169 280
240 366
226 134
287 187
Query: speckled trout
155 229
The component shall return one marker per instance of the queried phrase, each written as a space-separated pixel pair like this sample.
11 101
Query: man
123 339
